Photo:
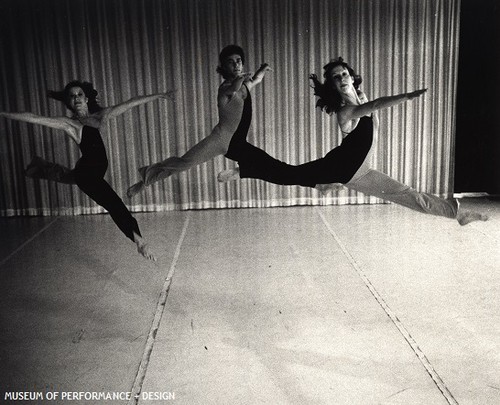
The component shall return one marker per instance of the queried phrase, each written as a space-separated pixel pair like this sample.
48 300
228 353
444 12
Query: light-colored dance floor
366 304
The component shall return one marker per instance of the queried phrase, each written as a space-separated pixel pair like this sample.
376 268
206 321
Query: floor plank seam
399 325
141 372
3 261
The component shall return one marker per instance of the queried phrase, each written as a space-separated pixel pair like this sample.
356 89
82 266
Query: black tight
90 180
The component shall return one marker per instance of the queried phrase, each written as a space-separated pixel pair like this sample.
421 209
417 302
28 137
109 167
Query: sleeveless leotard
338 166
92 148
239 142
89 172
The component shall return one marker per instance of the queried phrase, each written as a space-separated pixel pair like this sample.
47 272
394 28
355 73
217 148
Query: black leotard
93 150
89 172
338 166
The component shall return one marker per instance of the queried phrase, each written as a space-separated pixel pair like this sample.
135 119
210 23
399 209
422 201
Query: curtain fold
137 47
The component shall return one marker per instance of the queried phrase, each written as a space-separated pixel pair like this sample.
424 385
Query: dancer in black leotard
338 166
89 176
349 163
85 127
232 98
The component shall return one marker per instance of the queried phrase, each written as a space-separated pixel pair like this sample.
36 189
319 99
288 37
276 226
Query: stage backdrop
131 47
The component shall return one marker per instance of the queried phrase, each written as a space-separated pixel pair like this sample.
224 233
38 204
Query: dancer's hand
416 93
259 75
265 68
169 94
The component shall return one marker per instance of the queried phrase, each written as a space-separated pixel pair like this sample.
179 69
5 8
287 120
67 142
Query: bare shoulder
362 97
72 128
68 124
348 118
227 92
224 85
101 115
344 115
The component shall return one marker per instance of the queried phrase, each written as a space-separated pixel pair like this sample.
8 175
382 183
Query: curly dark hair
88 89
330 99
226 52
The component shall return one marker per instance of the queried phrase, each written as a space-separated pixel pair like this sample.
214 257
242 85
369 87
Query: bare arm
62 123
259 75
350 112
52 122
228 89
111 112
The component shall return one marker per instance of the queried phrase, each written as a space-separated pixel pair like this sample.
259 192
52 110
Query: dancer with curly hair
84 127
349 164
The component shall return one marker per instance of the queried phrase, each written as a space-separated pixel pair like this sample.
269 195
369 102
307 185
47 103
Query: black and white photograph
239 202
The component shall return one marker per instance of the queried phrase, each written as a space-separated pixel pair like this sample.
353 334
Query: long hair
226 52
330 99
88 89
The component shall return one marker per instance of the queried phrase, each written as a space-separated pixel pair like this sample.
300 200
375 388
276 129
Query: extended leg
102 193
40 168
254 163
382 186
205 150
234 174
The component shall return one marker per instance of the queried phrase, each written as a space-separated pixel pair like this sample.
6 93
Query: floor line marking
160 306
393 317
3 261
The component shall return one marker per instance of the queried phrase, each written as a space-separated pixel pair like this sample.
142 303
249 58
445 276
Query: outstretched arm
259 75
350 112
111 112
52 122
228 89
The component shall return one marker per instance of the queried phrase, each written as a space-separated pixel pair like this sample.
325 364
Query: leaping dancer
84 127
348 164
235 115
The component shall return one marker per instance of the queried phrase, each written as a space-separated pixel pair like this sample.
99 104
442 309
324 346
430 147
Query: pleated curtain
128 48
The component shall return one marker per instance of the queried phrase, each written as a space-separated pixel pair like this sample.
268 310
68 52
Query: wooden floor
304 305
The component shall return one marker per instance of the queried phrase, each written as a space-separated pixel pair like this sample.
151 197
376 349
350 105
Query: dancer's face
233 65
342 80
77 99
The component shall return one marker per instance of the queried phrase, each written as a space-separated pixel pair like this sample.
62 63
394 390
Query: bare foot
145 251
325 189
143 248
465 217
161 170
135 189
229 175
